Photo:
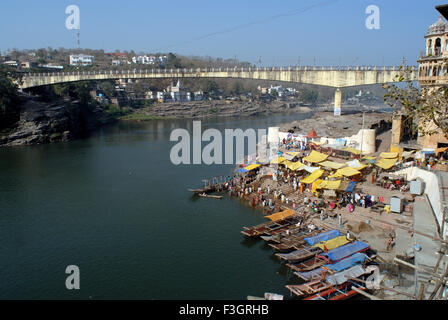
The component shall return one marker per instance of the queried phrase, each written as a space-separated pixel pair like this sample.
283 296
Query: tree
9 98
425 106
237 88
172 61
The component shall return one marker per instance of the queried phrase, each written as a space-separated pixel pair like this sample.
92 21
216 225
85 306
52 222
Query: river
115 206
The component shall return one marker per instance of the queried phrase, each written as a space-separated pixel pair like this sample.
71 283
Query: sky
280 33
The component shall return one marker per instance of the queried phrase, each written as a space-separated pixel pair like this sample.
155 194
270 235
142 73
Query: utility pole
362 132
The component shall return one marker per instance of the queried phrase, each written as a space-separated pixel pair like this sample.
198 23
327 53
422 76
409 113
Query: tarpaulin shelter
343 276
332 243
345 251
354 259
386 163
323 237
252 166
313 177
331 164
352 150
348 172
350 186
356 164
278 160
293 153
389 155
329 184
316 157
281 215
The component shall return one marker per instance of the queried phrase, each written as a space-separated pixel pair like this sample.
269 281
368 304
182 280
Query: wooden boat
295 241
307 265
299 255
341 292
204 190
268 228
309 288
204 195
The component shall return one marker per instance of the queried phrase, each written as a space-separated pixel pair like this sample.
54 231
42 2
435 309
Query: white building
81 60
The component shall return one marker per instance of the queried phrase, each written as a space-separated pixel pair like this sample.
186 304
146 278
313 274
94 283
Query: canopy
342 277
389 155
369 158
252 166
345 251
439 150
354 259
288 156
352 150
350 186
309 169
329 184
356 164
292 153
323 237
278 160
407 154
348 172
336 175
313 177
241 170
315 157
332 243
281 215
332 165
293 165
386 163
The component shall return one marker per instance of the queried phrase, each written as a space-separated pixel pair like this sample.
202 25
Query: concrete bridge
337 77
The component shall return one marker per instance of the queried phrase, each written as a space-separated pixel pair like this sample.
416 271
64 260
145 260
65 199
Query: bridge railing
129 72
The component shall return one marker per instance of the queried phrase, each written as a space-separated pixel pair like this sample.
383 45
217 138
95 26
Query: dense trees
9 98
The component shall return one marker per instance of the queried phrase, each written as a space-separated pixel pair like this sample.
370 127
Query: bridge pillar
338 102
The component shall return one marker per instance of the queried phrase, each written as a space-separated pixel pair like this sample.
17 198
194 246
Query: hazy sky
332 31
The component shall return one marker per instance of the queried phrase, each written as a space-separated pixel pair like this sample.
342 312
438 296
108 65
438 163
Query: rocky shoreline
42 122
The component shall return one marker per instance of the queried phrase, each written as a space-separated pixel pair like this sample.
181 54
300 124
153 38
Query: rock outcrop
42 122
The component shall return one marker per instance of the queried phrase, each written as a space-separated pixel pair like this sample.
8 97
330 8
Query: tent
329 184
345 251
312 134
386 163
293 153
323 237
313 177
316 157
331 164
281 215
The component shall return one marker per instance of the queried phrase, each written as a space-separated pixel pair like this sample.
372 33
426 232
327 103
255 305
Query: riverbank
43 122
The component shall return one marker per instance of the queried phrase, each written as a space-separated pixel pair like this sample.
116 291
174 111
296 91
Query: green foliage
309 96
9 98
173 62
427 107
237 88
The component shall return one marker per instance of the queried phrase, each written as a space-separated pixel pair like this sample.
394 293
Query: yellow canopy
355 164
389 155
316 184
278 160
281 215
348 171
337 174
369 158
316 157
386 163
252 166
332 243
439 150
293 153
313 177
332 165
329 184
293 165
352 150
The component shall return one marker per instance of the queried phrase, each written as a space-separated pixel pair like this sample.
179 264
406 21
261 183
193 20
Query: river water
115 206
